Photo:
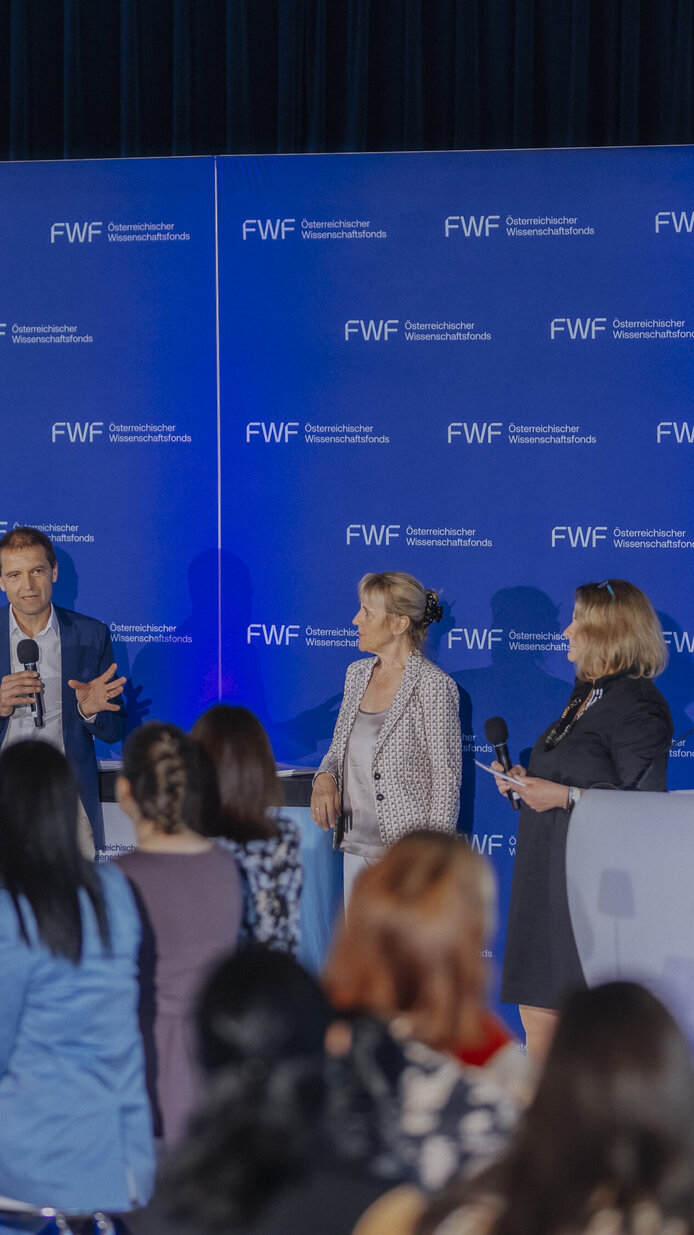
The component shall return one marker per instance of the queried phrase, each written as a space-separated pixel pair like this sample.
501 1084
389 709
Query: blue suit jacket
86 652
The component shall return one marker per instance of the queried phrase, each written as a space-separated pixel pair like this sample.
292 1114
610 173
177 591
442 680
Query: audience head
619 631
618 1091
611 1126
39 853
166 779
277 1104
411 943
403 597
240 750
261 1005
38 808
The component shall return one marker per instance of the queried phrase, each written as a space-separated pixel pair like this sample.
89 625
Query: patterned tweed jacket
416 761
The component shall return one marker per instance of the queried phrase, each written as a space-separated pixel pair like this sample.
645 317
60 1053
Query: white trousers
353 866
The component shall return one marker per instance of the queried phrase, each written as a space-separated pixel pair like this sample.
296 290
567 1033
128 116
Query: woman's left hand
541 794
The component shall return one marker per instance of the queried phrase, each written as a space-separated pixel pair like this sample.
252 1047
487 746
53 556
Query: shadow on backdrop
182 675
517 685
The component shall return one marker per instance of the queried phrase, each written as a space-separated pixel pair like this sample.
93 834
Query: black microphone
28 655
496 731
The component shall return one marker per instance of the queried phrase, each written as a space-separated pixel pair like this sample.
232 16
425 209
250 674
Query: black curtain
96 78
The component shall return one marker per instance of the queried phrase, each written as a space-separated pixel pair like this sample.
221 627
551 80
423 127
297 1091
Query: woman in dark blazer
613 733
393 765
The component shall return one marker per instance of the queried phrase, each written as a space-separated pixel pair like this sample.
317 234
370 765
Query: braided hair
170 778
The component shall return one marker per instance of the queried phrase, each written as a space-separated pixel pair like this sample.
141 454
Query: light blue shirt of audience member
75 1122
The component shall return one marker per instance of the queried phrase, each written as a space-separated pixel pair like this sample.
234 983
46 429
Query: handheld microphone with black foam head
28 655
496 731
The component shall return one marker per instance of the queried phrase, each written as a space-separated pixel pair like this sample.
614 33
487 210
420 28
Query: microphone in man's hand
28 655
496 730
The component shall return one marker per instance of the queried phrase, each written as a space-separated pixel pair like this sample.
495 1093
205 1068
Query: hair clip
606 583
433 611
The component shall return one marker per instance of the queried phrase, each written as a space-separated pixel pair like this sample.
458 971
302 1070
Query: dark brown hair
28 538
239 748
611 1125
39 854
412 938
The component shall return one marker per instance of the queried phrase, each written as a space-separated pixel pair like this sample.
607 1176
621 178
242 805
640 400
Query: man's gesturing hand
98 695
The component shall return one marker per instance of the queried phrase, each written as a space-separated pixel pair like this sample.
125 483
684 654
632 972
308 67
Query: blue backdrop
232 386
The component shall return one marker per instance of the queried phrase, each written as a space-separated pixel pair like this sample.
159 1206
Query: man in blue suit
76 670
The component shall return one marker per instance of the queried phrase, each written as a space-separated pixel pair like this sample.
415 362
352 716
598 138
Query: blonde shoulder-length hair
620 631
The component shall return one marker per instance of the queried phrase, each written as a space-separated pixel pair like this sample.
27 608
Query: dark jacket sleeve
642 735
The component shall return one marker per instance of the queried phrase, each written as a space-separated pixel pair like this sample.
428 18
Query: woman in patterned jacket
393 765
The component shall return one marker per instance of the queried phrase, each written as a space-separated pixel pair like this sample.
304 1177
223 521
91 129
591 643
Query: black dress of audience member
607 1146
295 1132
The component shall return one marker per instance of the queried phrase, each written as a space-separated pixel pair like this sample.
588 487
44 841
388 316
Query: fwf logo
681 640
77 431
577 327
372 331
79 232
471 226
279 636
373 534
487 843
267 229
475 637
4 524
475 432
682 431
681 222
578 537
271 431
